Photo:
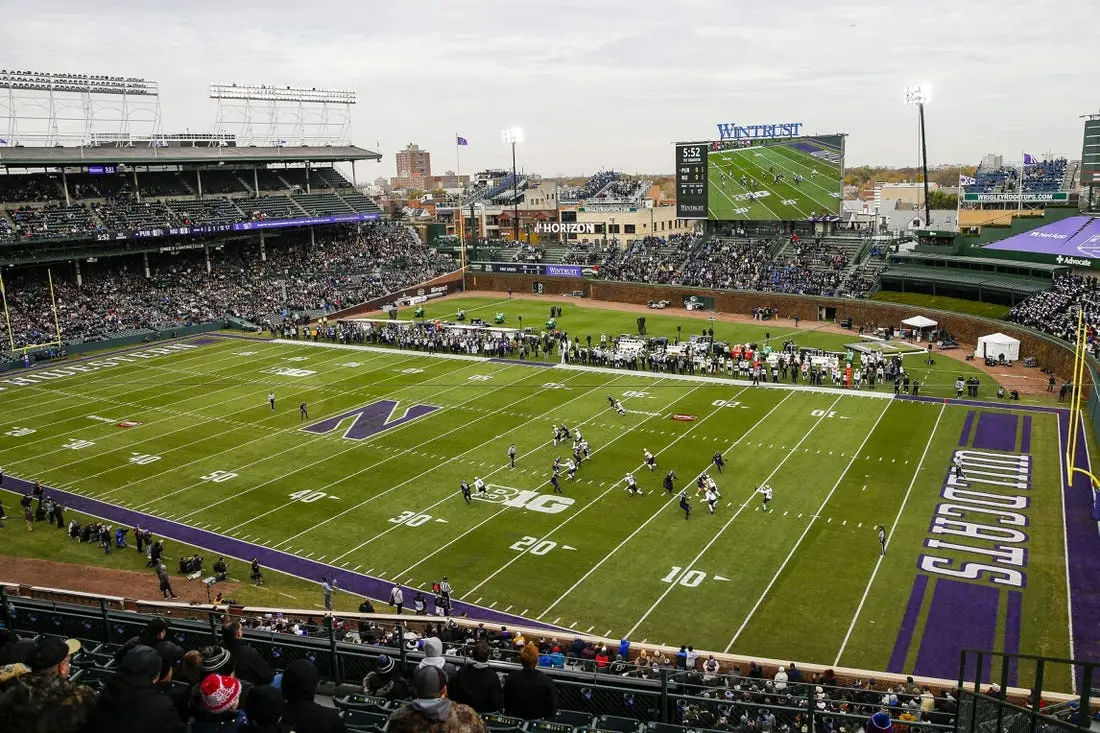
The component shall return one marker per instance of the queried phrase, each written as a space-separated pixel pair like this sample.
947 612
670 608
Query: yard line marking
897 518
493 604
356 570
556 621
357 445
809 526
477 601
207 456
736 514
322 557
236 425
524 612
573 625
508 609
589 631
631 536
449 496
608 634
609 489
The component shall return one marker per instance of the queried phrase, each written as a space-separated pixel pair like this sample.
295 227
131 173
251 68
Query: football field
368 486
742 183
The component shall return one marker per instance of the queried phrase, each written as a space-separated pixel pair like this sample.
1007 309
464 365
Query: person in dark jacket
302 713
249 664
385 681
130 703
265 709
477 684
153 634
529 693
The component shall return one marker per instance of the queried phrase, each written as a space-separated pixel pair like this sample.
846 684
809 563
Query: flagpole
461 222
1020 185
958 205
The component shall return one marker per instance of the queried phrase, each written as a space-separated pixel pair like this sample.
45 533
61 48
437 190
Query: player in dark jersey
554 480
719 461
465 486
303 413
685 505
669 478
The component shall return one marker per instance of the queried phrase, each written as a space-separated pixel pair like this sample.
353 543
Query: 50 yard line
890 537
809 526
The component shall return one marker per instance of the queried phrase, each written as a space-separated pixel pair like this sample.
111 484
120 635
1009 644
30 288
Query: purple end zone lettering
1025 435
1013 621
370 419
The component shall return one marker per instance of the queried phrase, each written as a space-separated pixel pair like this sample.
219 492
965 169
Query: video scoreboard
1090 153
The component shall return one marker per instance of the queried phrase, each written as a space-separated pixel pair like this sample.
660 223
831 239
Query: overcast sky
606 83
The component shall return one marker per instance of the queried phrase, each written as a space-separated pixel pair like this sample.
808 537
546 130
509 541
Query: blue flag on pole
1028 160
3 141
461 141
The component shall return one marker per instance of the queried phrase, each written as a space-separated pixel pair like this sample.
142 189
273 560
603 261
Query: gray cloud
606 82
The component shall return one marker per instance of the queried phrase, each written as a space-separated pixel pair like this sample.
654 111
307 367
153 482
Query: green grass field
804 580
760 197
942 302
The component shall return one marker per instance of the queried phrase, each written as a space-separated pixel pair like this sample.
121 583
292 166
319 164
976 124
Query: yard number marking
219 476
532 545
308 497
17 432
411 519
690 579
823 413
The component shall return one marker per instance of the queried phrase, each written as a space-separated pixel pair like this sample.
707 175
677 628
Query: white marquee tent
919 322
996 345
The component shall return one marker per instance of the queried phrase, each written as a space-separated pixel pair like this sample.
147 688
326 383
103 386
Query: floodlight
512 135
919 94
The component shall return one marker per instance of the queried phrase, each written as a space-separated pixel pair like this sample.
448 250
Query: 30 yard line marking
500 511
446 498
809 526
690 565
657 513
897 518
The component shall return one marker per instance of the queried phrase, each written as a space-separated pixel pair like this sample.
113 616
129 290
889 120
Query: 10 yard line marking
740 509
897 518
809 526
657 513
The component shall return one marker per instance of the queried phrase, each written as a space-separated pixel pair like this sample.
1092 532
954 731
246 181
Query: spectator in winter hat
130 701
220 695
265 711
385 681
433 657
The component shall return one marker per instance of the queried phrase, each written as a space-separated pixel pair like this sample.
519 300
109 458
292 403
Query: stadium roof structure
42 157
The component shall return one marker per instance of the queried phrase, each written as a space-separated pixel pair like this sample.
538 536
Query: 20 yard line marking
897 518
736 514
809 526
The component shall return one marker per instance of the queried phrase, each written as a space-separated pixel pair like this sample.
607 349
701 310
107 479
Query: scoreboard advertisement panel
781 179
1090 154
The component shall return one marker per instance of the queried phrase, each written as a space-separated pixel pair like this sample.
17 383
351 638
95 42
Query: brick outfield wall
1048 352
452 282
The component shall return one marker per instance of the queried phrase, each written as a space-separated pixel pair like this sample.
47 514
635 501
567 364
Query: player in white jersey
571 470
479 485
882 539
557 435
957 467
767 492
712 499
577 435
584 448
619 407
711 485
650 460
632 485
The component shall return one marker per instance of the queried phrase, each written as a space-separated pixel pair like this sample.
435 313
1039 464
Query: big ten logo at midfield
368 420
983 505
525 499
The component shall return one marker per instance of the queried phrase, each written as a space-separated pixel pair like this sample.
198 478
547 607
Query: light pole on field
919 96
511 136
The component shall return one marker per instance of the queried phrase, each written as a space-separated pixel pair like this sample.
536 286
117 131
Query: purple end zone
908 626
202 341
964 439
962 616
1013 620
356 583
1083 548
1006 405
996 431
521 362
1025 438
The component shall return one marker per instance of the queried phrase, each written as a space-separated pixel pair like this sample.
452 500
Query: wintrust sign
733 131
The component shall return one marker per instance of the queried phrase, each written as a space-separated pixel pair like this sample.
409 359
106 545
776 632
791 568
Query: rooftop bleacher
1044 176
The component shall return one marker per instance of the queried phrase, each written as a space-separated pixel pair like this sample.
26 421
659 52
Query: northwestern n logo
370 419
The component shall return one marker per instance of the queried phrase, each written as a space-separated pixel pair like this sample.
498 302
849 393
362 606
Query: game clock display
691 181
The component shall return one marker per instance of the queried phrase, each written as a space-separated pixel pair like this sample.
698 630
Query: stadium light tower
920 95
513 135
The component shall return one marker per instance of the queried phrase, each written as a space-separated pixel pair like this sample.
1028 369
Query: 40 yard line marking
736 514
889 537
809 525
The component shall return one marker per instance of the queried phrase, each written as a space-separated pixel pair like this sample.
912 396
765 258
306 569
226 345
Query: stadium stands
1055 311
366 663
342 269
51 220
1041 177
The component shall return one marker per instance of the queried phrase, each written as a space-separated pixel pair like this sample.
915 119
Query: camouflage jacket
459 719
44 703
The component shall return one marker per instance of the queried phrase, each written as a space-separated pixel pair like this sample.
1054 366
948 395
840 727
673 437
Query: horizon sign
733 131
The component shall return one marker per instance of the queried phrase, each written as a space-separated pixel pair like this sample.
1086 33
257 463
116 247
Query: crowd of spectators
342 269
1055 311
813 267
